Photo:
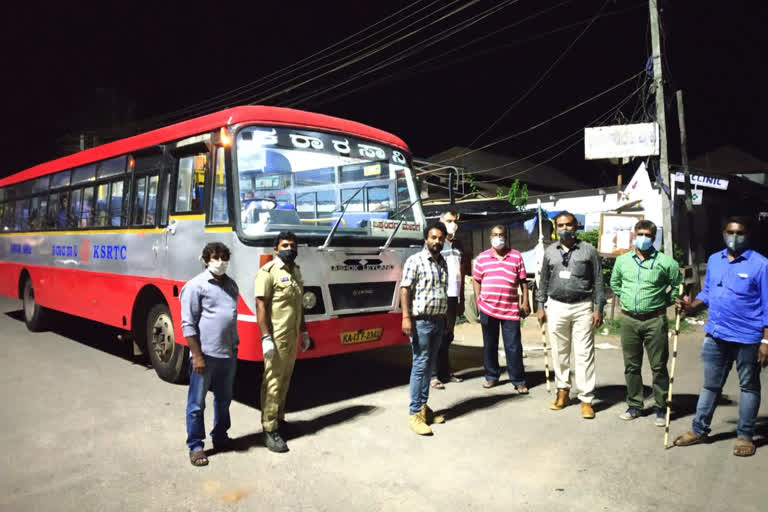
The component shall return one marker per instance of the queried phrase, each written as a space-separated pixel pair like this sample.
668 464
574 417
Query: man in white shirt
452 253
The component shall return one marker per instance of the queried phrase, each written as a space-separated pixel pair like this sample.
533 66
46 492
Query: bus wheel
167 356
35 315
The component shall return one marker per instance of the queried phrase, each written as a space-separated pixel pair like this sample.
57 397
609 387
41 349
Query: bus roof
235 115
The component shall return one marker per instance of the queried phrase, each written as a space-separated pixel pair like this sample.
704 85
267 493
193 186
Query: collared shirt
499 280
452 254
645 286
209 311
427 281
283 286
571 276
737 295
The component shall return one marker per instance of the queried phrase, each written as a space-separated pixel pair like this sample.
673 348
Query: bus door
185 233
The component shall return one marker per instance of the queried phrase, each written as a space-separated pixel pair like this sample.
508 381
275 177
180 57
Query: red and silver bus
112 233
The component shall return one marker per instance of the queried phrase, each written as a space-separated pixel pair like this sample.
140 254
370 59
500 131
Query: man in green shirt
647 282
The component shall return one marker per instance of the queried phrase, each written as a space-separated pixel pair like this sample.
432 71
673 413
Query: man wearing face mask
209 323
279 289
736 293
497 275
453 254
647 282
423 300
571 286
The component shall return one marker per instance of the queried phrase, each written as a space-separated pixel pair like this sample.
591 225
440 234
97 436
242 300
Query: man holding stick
572 287
736 293
642 279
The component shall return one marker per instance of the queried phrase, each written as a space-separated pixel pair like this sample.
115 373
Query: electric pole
688 201
658 83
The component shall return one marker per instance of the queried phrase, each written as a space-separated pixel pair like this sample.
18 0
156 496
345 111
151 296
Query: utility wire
542 77
542 123
344 60
599 118
418 67
406 53
323 54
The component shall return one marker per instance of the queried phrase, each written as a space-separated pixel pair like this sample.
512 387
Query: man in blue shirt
736 292
209 323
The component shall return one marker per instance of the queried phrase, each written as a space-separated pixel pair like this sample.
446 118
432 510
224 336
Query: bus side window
149 218
76 207
219 210
87 217
190 185
138 204
116 203
102 203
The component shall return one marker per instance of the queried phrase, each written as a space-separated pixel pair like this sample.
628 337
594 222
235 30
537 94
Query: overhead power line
406 53
543 76
542 123
312 59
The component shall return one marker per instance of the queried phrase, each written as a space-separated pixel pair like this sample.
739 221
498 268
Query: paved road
84 428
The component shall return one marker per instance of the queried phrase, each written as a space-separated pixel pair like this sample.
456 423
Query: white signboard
623 140
704 181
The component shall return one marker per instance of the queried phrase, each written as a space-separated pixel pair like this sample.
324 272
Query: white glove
306 341
268 347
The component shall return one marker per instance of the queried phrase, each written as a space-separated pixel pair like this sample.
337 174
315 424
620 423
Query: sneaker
275 442
661 418
632 413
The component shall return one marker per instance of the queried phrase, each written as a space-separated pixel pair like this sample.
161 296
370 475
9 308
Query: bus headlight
309 300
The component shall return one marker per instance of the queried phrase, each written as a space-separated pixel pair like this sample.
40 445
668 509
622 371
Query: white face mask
498 242
218 267
451 227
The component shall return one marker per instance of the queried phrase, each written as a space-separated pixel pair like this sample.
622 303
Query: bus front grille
361 295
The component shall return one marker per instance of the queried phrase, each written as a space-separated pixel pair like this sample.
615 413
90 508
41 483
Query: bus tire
35 315
168 357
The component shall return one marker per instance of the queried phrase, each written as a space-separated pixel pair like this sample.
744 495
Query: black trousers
442 369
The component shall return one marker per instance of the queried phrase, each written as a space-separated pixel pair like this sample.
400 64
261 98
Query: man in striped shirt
497 275
647 282
424 301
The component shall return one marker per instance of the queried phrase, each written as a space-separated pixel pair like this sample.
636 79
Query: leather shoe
586 411
561 401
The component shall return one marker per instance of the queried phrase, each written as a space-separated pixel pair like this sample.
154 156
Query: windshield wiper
394 231
338 221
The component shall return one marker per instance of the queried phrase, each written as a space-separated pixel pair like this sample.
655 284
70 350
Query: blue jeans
426 336
513 348
718 357
219 375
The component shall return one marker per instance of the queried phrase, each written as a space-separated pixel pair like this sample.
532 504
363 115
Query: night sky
67 70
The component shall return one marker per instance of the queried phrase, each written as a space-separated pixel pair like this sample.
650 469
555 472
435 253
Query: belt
645 316
572 300
428 317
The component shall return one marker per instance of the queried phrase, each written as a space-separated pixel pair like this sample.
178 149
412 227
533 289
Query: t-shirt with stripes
499 281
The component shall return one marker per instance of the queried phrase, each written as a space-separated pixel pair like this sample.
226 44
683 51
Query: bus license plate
361 336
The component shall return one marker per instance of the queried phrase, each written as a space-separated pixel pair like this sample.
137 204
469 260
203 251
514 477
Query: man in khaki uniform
279 290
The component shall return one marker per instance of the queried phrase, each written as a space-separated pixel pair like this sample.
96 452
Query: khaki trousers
277 380
570 328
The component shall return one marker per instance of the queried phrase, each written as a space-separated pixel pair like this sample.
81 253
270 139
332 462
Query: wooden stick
672 372
546 356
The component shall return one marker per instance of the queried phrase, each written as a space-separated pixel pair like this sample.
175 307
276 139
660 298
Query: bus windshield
297 180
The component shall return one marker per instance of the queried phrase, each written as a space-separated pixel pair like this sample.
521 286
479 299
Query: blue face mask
643 242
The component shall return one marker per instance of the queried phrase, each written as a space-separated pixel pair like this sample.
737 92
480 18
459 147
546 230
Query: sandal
488 384
456 379
437 384
690 438
522 389
743 447
198 458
